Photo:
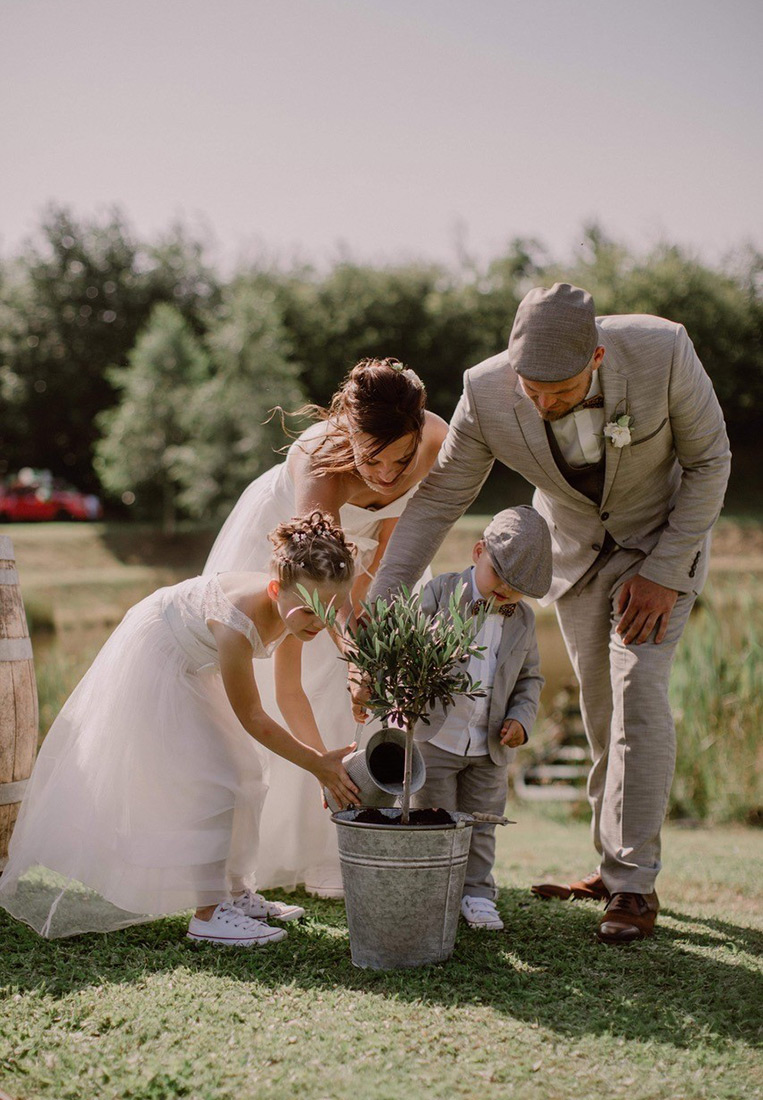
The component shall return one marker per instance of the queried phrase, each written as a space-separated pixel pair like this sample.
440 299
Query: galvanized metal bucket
402 888
377 770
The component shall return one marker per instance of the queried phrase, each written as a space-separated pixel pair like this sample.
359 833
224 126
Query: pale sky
389 128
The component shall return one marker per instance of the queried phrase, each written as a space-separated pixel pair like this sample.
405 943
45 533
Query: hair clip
299 536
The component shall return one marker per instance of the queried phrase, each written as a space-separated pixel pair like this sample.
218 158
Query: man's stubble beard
551 417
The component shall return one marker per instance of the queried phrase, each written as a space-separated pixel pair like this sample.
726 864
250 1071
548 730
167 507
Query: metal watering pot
377 770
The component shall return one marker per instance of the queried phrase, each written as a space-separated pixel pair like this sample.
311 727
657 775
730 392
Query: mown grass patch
540 1010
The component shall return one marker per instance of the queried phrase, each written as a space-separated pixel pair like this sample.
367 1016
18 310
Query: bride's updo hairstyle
311 547
380 398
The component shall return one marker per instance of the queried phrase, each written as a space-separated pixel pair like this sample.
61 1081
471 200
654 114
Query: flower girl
147 791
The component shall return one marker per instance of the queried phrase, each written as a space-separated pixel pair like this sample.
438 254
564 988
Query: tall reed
717 700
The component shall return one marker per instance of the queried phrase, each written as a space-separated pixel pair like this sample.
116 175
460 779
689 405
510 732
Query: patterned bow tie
506 609
596 402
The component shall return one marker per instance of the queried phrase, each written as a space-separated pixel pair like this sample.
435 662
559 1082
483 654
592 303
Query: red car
41 501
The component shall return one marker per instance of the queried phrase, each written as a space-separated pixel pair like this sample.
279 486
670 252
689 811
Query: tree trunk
406 802
168 507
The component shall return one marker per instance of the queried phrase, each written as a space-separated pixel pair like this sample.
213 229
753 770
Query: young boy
467 747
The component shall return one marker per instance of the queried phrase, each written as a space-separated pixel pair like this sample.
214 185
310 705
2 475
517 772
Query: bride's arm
364 576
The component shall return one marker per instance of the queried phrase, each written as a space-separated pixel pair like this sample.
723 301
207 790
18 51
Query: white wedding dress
147 791
297 837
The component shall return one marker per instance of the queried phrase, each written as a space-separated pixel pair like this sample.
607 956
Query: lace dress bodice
190 606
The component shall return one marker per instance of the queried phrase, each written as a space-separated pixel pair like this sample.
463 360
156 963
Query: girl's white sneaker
255 905
229 926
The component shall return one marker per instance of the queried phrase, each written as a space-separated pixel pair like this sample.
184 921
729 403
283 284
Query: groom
616 423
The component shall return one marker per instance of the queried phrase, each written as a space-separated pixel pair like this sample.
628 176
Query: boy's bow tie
506 609
596 402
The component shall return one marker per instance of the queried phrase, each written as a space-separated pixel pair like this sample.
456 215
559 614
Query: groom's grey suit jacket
517 683
662 492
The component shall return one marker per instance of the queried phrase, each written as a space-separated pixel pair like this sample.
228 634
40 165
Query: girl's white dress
147 792
298 839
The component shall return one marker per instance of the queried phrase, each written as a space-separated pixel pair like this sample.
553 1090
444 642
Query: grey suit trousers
624 702
467 783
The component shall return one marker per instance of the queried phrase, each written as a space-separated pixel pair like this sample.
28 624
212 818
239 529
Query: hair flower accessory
407 372
618 431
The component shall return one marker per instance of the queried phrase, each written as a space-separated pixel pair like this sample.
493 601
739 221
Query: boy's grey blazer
518 682
662 492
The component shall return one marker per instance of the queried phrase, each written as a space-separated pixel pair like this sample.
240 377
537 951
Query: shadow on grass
696 977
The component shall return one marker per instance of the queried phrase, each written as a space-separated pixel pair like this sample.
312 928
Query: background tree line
133 368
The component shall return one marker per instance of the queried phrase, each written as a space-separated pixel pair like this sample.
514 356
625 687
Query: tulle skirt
298 839
146 795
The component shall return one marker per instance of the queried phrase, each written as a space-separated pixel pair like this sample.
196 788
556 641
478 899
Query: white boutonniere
618 431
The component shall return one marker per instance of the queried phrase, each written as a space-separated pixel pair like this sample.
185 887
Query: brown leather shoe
628 917
591 886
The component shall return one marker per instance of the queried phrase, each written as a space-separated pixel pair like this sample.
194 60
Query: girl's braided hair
311 547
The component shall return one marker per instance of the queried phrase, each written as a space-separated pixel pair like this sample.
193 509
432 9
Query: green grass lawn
540 1010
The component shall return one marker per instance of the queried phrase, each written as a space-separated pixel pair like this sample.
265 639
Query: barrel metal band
9 576
6 548
15 649
12 792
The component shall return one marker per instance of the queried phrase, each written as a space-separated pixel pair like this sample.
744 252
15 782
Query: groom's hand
642 605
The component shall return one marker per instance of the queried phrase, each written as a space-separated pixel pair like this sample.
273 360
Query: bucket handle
492 819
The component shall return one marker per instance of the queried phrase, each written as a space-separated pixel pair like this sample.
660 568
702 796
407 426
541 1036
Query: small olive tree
409 660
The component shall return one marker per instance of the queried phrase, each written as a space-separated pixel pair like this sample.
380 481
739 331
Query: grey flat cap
519 544
554 333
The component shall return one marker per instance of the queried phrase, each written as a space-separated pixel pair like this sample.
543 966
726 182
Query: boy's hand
513 733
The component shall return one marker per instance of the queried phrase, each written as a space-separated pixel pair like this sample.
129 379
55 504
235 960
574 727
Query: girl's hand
330 772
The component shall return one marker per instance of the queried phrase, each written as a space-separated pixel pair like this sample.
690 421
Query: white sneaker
255 905
229 926
481 913
326 884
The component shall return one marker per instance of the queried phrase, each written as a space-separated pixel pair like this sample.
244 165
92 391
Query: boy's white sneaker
229 926
481 913
255 905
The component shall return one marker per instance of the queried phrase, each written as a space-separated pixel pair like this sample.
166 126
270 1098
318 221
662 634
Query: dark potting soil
418 817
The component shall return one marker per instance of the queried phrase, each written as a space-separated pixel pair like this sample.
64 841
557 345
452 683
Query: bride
362 461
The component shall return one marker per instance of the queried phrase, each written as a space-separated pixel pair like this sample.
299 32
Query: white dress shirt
580 434
464 731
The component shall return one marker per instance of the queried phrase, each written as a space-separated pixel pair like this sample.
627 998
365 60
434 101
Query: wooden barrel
18 697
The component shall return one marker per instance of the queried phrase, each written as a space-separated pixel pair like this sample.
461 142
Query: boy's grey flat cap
554 333
519 544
